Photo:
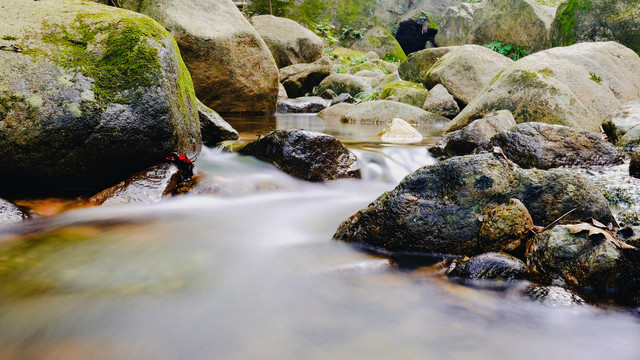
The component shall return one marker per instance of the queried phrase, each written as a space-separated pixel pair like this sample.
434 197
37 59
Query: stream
252 272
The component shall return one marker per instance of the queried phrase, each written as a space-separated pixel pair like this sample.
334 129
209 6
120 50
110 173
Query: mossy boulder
524 24
418 64
441 208
344 83
404 92
378 39
289 42
233 70
577 86
466 70
597 20
382 112
97 94
545 146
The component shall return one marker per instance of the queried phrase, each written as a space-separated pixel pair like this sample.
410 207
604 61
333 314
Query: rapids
252 272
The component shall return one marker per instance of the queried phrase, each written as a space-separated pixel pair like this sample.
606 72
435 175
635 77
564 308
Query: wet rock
490 266
232 68
289 42
634 164
146 187
213 127
524 24
553 295
10 213
344 83
378 39
300 79
304 154
597 20
476 134
466 70
417 65
441 208
583 256
630 235
439 101
401 132
545 146
622 121
577 86
336 111
383 111
506 225
84 117
302 105
405 92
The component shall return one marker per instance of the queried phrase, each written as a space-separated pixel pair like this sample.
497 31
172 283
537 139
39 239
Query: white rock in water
400 131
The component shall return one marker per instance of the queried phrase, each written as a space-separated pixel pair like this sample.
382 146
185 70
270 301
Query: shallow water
252 273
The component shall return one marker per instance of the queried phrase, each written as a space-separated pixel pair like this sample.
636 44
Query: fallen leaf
574 229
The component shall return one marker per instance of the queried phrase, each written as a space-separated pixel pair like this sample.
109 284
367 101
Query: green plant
340 69
9 37
514 53
367 96
595 78
357 60
349 33
326 31
628 219
391 58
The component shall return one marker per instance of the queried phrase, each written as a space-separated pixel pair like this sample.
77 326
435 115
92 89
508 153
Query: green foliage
617 196
595 78
628 218
262 7
514 53
326 31
349 33
565 15
358 59
340 69
392 59
552 3
367 96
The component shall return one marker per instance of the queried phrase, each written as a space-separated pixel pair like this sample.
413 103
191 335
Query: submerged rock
289 42
442 208
301 105
474 135
553 295
100 94
490 266
146 187
213 127
384 111
10 213
307 155
545 146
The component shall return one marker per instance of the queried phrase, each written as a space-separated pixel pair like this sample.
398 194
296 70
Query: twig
560 218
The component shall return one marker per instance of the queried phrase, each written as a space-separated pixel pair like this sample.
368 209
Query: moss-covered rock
441 208
404 92
344 83
233 70
382 42
418 64
97 94
597 20
577 86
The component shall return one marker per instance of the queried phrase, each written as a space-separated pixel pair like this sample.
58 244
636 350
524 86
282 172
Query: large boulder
382 112
306 155
521 23
98 94
473 136
466 70
577 86
233 70
546 146
441 208
597 20
418 64
378 39
300 79
290 43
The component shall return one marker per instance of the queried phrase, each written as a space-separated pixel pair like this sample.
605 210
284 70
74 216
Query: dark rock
490 266
146 187
213 127
552 295
302 105
506 225
474 135
546 146
634 164
10 213
300 79
576 255
304 154
621 122
441 208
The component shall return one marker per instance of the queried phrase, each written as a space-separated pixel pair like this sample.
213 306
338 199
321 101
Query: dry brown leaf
574 229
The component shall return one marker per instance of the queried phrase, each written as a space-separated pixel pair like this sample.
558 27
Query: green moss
566 19
128 59
9 38
546 72
14 106
593 77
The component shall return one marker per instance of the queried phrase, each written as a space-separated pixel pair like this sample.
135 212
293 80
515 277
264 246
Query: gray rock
379 40
440 102
302 105
146 187
336 111
382 112
307 155
441 208
476 134
490 266
405 92
418 64
622 121
545 146
553 295
344 83
213 127
10 213
86 117
300 79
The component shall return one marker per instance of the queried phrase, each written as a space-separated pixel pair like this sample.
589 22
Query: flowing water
252 272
